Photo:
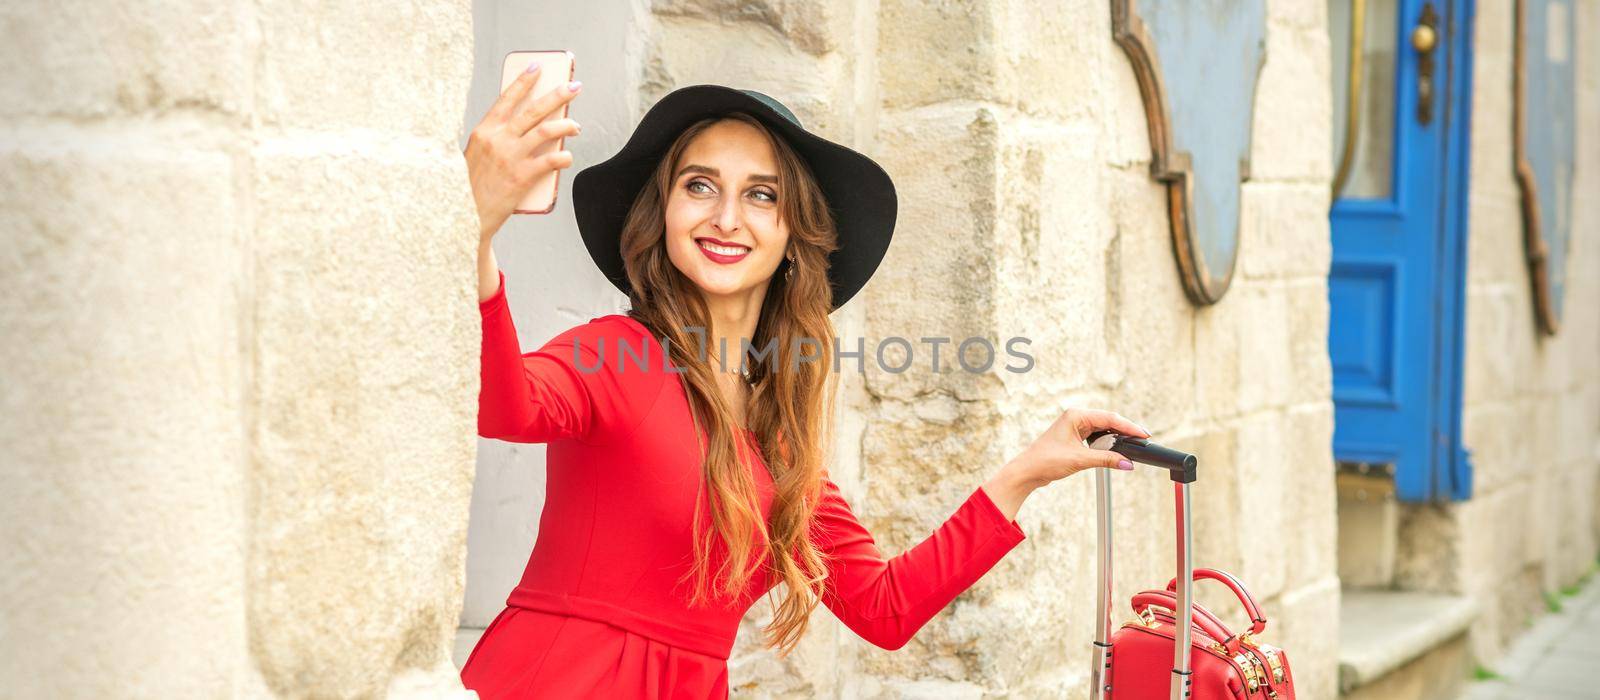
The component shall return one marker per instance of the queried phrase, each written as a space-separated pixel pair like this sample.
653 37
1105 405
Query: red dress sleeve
571 387
887 601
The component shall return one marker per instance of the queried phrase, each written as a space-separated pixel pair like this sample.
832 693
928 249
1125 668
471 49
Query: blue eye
763 193
701 183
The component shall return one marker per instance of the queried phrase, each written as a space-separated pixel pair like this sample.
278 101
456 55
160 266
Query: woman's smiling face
723 228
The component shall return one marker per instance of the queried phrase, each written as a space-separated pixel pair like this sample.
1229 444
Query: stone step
1403 645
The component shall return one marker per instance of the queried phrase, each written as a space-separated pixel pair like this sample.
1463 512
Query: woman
683 487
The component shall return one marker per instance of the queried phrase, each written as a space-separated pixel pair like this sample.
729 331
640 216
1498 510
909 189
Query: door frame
1445 470
1452 460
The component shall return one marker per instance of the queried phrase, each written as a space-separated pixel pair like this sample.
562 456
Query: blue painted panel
1210 53
1361 332
1550 145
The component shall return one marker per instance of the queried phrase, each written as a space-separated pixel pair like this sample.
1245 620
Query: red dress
599 611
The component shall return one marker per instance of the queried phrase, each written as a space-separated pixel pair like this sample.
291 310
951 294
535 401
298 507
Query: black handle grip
1181 465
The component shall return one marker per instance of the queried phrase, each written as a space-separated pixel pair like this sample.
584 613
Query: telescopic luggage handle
1182 467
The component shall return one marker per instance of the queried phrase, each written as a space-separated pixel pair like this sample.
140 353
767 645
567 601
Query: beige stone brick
1489 353
1299 15
755 668
690 50
1264 348
363 448
1146 532
1291 133
1491 551
1547 511
1576 411
1261 348
1495 254
916 466
1368 530
1126 140
1051 233
123 450
1544 454
1507 609
1053 62
815 26
930 52
1217 340
396 67
1040 614
1283 230
1431 549
1223 529
924 471
1576 545
944 165
1148 322
1583 511
87 59
1266 479
1311 370
1548 367
1494 449
1305 622
1309 517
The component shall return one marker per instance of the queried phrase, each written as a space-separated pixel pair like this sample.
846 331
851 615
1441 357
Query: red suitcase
1208 662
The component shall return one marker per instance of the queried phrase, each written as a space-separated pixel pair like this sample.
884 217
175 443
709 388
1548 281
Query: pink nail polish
574 86
1125 465
533 67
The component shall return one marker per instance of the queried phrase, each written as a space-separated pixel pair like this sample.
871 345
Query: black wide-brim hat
859 193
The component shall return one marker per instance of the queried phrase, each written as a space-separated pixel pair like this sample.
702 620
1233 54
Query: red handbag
1139 661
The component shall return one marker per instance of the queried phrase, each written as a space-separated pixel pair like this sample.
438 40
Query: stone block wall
238 301
1016 137
239 428
1531 413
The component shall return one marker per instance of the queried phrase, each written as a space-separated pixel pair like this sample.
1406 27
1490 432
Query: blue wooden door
1398 224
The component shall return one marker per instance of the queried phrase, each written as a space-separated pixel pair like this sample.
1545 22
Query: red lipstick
721 258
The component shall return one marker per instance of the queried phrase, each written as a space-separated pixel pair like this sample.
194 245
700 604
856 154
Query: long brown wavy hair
790 408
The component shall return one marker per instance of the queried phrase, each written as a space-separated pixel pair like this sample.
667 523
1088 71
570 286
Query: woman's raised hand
1057 454
498 149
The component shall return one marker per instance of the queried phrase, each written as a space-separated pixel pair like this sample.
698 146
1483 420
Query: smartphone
555 69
